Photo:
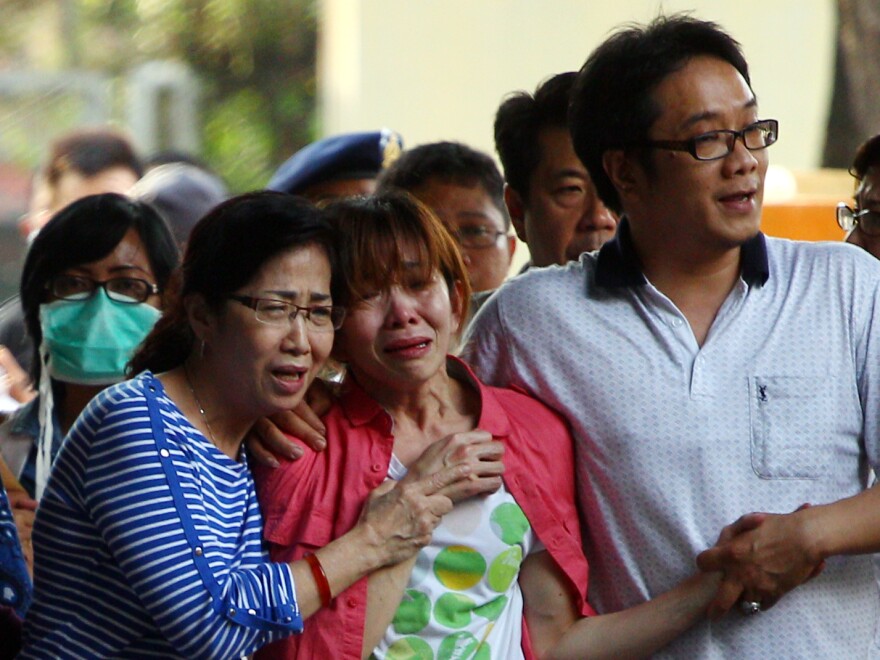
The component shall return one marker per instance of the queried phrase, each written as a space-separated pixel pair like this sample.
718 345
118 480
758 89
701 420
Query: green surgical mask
89 342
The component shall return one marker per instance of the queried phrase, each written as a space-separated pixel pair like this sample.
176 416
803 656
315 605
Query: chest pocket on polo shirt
790 426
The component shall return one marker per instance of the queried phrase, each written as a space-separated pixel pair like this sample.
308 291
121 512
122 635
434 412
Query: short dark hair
85 231
867 155
374 234
91 151
611 103
449 162
225 251
519 121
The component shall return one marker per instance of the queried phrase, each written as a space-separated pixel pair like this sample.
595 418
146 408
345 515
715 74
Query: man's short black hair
611 104
449 162
89 152
519 121
867 155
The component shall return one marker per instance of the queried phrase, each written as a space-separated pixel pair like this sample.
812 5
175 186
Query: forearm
846 527
345 560
641 630
385 590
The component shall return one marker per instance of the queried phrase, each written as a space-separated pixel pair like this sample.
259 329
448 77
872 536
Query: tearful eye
274 310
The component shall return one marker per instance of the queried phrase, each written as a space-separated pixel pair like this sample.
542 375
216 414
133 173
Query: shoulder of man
547 283
837 258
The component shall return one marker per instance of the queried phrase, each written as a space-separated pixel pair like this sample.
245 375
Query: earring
202 349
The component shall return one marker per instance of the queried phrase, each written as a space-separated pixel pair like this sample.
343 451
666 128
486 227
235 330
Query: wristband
320 578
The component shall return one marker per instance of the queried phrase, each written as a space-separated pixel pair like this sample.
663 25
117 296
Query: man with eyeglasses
706 370
863 222
465 189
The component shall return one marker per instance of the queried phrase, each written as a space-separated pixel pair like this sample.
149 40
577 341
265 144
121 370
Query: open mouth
740 202
408 346
290 374
739 197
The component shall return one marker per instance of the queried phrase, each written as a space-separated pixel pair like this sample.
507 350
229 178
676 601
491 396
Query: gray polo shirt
779 407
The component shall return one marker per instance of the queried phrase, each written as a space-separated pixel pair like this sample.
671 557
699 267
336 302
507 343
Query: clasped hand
763 556
403 514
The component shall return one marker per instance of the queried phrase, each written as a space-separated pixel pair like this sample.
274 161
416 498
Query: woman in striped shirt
147 541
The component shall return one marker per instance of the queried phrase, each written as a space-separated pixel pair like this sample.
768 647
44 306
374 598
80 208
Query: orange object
803 220
320 578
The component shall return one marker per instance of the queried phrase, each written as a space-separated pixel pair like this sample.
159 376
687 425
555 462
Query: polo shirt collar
618 265
361 409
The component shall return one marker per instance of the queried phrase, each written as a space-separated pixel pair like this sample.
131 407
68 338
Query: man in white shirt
706 370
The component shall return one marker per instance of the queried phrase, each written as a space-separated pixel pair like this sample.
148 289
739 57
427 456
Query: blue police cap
348 156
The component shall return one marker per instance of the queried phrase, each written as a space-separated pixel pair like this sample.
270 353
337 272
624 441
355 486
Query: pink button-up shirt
309 502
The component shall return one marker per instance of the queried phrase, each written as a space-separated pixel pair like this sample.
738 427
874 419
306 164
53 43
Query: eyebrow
695 119
474 214
315 296
116 269
568 172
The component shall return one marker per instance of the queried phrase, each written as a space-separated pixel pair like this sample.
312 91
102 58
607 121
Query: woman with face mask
91 290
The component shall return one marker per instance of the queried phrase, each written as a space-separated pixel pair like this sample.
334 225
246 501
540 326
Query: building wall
437 69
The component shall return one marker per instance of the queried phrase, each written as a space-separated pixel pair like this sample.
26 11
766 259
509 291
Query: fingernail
295 452
273 462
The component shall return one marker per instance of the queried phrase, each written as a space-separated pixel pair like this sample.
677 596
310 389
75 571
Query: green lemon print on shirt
483 653
453 610
459 567
504 569
462 645
410 648
493 609
413 613
509 523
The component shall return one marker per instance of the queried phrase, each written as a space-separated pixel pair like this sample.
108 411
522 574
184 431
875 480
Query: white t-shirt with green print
463 599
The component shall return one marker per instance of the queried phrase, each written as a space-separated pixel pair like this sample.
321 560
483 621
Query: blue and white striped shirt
148 542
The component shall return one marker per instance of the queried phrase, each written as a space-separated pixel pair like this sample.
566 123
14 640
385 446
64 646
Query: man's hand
763 557
270 437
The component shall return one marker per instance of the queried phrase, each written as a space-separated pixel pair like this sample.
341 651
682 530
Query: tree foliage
255 60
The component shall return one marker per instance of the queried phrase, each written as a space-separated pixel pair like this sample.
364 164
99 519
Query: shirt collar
361 409
618 265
